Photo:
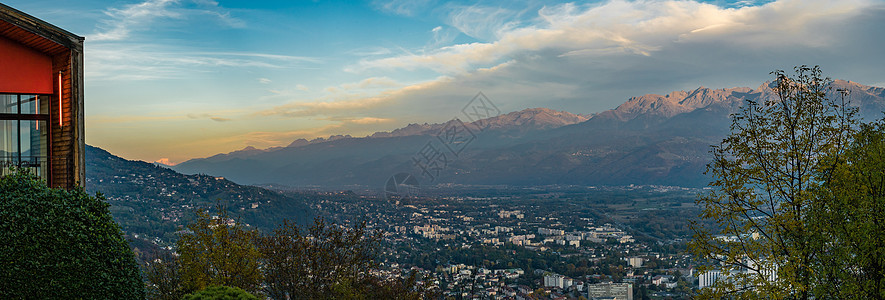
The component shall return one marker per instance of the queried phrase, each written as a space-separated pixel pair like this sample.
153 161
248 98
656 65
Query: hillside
154 202
650 139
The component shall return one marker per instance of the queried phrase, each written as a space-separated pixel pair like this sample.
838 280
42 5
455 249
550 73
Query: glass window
24 134
29 104
9 104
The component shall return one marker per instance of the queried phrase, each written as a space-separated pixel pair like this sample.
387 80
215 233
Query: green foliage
765 174
57 244
852 214
220 293
163 277
326 261
219 251
323 261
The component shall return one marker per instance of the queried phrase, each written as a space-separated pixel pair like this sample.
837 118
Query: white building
708 278
635 262
617 291
554 280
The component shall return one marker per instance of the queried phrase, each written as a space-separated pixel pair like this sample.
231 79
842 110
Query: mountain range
650 139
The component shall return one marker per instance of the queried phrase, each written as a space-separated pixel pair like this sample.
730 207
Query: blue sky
178 79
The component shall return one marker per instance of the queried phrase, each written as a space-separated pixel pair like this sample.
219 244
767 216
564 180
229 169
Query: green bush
220 293
57 244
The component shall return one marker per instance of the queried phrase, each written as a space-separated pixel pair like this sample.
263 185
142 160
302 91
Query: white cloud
371 51
591 57
483 22
349 100
122 22
143 62
402 7
372 83
623 28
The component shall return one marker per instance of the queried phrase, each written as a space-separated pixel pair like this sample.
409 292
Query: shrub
57 244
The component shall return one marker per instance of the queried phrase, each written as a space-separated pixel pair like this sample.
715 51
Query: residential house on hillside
41 99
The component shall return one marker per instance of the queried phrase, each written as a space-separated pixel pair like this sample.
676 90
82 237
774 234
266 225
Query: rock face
534 118
650 139
679 102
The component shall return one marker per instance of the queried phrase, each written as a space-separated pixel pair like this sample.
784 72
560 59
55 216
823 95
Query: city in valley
552 241
487 242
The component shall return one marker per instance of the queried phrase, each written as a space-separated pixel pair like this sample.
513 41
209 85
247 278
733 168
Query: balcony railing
36 165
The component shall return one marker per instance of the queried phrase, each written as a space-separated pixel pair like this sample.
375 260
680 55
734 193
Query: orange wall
24 70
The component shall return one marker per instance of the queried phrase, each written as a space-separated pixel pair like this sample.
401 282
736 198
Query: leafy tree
219 250
220 293
326 260
852 215
57 244
164 277
764 174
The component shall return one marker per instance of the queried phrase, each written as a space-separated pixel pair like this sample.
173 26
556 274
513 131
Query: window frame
19 116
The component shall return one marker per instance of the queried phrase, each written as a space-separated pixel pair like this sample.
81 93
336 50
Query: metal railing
36 165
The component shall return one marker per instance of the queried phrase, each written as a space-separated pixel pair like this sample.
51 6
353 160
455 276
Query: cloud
591 57
372 82
370 51
623 28
483 22
122 22
208 116
149 62
165 161
103 120
363 120
350 104
441 36
343 103
264 80
402 7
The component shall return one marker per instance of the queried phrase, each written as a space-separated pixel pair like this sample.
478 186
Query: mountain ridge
154 202
649 139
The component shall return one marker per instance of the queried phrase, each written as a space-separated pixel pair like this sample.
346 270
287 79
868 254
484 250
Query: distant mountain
526 120
154 202
651 139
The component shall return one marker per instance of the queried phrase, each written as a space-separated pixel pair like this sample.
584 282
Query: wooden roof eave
42 29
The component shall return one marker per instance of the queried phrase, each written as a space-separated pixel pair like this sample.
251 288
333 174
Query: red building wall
24 70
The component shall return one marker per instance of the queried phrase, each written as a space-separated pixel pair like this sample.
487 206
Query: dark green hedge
61 244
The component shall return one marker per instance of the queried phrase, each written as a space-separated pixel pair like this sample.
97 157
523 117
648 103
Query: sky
171 80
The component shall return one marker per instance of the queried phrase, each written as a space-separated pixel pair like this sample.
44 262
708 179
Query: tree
219 251
852 214
57 244
764 174
325 260
328 261
164 277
